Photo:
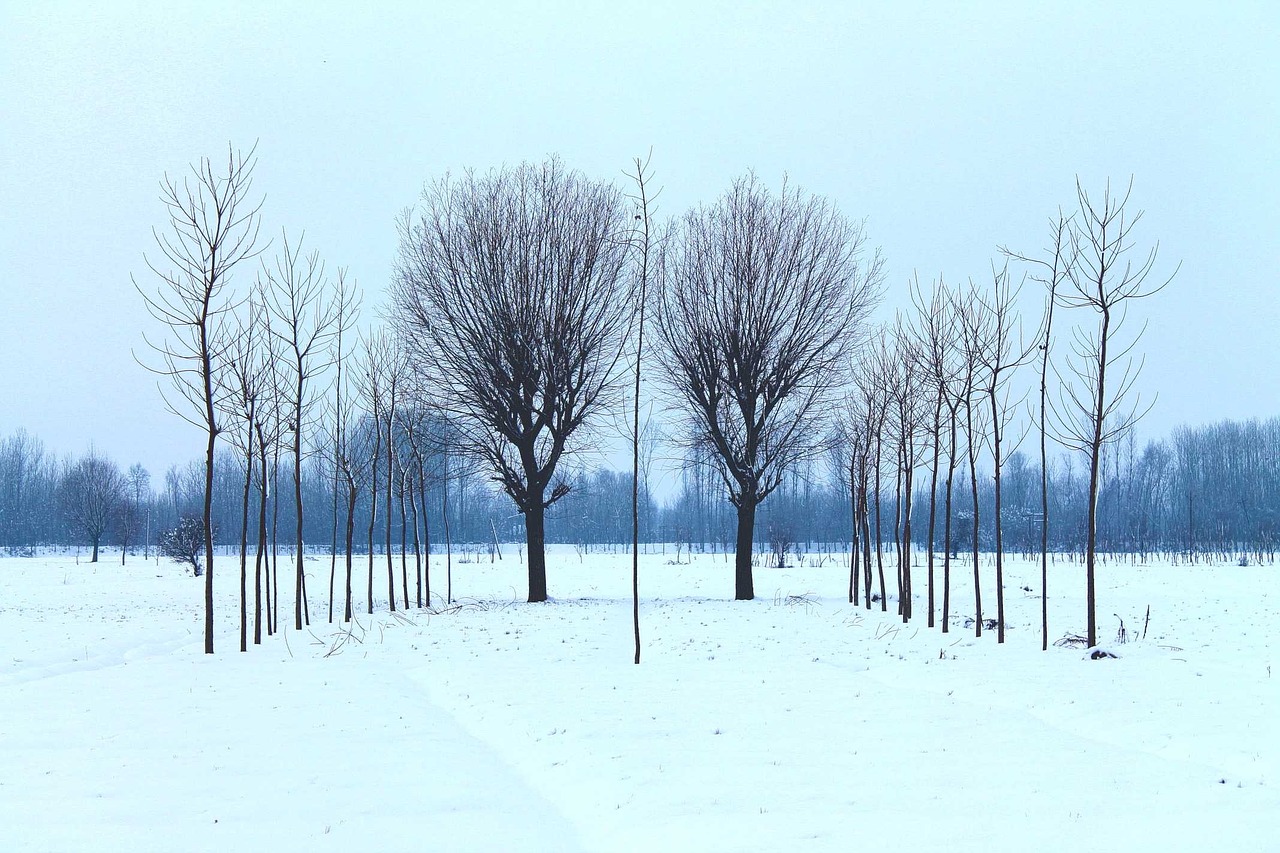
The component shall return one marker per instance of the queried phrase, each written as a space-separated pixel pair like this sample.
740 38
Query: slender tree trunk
448 543
946 534
1095 457
933 495
353 494
884 598
404 546
996 462
635 411
417 539
275 540
973 483
426 535
208 505
853 534
260 557
865 511
1044 489
300 600
391 474
906 536
373 505
897 532
333 545
244 550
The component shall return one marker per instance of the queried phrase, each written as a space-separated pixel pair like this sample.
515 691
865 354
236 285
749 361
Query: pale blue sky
951 127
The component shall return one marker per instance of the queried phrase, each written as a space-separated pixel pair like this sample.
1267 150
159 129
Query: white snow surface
792 722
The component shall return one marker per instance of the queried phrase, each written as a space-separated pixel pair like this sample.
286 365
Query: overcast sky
951 129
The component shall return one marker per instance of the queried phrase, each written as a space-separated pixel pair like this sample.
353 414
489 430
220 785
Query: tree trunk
535 540
933 495
448 538
391 475
864 510
333 542
906 538
884 598
1044 492
897 534
973 483
426 536
946 531
260 557
996 462
373 503
353 494
417 539
1095 456
274 620
743 588
404 545
208 518
853 535
300 602
244 552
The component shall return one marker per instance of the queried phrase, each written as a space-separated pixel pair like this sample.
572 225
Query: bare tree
268 428
213 226
874 377
936 345
245 372
1000 352
306 314
511 291
373 369
90 494
975 329
135 510
351 447
413 424
763 297
1105 281
642 241
394 370
907 404
1052 271
346 301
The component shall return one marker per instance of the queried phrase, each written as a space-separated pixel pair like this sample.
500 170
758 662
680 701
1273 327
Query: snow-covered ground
794 722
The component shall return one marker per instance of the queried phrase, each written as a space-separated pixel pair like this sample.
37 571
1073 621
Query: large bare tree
762 299
513 296
213 227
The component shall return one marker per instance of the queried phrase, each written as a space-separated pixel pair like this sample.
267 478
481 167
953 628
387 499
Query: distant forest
1210 492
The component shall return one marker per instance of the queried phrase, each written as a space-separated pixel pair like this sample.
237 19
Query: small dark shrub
185 543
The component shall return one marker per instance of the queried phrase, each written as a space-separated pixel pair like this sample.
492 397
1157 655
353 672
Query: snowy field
794 722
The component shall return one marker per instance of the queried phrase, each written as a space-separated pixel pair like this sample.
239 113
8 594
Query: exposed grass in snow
792 722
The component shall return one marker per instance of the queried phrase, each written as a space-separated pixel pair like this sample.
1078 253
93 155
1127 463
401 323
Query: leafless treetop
512 294
763 295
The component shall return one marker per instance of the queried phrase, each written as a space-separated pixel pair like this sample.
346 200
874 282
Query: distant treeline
1204 492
